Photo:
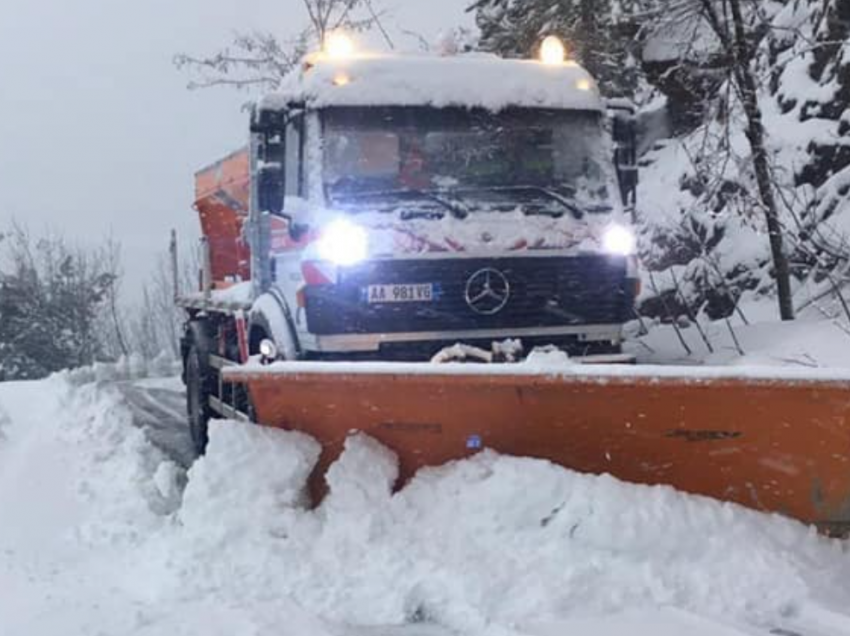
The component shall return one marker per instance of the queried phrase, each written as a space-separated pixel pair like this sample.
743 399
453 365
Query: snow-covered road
159 409
102 532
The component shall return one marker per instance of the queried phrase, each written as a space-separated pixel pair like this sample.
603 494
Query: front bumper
581 337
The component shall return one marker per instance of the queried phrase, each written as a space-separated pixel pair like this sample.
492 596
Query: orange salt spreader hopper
222 192
772 440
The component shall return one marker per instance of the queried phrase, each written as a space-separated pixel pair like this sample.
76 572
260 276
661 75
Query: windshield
470 155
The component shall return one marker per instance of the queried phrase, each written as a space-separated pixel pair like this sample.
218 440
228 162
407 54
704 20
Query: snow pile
491 540
548 357
76 497
239 474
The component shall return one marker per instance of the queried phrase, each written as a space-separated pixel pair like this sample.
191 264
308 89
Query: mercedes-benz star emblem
487 291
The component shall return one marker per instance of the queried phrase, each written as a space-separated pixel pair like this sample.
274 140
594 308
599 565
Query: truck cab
402 205
414 208
388 207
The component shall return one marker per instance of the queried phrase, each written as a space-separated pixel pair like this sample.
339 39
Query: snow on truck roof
471 81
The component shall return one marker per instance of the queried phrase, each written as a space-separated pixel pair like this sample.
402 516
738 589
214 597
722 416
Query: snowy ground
103 532
752 337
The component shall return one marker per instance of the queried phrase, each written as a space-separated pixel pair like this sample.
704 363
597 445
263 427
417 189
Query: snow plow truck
401 232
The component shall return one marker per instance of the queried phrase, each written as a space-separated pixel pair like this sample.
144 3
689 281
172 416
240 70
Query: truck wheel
197 398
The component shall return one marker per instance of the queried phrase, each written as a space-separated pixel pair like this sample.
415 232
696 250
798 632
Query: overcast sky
98 133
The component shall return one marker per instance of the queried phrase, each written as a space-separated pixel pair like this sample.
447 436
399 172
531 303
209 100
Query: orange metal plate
775 445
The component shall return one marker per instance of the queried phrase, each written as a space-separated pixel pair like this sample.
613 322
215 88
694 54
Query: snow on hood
472 224
481 232
499 232
473 81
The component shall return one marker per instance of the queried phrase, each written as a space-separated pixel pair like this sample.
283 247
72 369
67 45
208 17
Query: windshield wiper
576 211
458 211
430 215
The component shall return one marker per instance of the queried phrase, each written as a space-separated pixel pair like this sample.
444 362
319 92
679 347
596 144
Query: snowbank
808 347
491 540
491 545
77 495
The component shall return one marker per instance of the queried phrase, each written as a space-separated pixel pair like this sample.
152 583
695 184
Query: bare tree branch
261 59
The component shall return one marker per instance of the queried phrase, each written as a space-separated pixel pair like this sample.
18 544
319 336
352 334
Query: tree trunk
756 137
589 21
742 58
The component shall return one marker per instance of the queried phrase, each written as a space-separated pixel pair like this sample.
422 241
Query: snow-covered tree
751 187
600 33
261 59
51 296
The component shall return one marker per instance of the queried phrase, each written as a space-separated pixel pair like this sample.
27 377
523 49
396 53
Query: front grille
544 292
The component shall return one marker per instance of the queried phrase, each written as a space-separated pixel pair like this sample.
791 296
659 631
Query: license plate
420 293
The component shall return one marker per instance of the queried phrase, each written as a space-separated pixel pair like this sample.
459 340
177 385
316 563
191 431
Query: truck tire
198 398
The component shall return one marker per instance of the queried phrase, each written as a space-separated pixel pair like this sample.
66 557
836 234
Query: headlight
619 240
343 242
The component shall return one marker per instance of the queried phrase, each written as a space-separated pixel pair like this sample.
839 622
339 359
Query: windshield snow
460 161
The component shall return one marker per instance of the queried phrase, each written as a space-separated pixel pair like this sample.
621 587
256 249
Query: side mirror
268 127
271 185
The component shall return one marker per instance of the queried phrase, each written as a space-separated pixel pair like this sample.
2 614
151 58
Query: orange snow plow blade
773 440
